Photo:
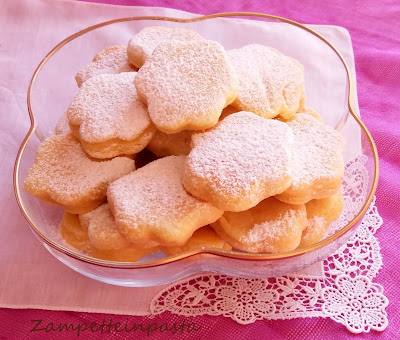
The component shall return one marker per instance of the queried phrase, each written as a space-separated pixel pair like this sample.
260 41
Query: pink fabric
375 31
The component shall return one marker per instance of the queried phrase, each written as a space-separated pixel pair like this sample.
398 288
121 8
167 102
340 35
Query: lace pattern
344 292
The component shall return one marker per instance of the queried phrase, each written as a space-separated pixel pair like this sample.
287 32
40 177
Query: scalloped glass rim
213 251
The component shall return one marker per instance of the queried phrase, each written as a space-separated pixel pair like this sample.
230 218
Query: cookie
240 162
142 45
102 230
108 118
228 111
270 83
111 60
320 214
187 85
150 204
175 144
318 164
64 175
307 111
179 143
269 227
203 237
62 126
73 233
77 236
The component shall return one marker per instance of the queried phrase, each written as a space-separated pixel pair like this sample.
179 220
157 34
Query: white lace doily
343 291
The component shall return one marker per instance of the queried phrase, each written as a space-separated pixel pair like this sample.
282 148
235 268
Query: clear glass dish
331 93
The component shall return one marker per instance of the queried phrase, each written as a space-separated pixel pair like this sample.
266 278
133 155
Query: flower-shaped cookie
64 175
77 236
318 164
270 227
108 118
73 233
151 204
142 45
320 214
187 85
308 111
240 162
111 60
270 83
102 230
203 237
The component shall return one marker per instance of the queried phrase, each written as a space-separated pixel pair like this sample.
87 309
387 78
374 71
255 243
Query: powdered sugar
317 150
107 107
269 82
316 228
187 85
112 60
64 172
269 227
272 229
102 231
156 185
316 223
244 158
142 45
151 203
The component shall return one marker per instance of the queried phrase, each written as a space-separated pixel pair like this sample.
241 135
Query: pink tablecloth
375 30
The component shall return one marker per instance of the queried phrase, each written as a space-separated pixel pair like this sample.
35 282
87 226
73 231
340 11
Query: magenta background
374 27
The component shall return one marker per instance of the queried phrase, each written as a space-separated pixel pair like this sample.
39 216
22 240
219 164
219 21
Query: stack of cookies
240 162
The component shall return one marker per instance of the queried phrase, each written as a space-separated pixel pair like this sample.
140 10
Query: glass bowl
329 90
